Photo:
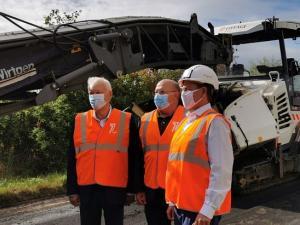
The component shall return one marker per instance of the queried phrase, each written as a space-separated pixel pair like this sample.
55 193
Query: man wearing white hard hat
199 170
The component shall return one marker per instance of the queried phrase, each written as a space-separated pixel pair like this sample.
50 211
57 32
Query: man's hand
170 212
201 220
141 198
74 200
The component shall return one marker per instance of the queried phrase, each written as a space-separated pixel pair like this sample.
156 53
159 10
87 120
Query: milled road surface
278 205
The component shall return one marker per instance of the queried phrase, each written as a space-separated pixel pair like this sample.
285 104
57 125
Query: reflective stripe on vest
189 155
163 147
98 147
148 147
156 146
146 124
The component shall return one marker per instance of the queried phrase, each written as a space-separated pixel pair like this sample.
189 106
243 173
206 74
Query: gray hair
96 80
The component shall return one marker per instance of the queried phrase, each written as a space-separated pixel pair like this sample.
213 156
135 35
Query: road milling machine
263 108
37 65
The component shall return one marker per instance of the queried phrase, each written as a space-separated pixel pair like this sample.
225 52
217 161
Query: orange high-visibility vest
156 146
101 153
188 168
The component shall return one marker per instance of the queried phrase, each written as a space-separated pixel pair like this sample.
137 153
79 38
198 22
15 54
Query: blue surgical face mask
97 101
161 101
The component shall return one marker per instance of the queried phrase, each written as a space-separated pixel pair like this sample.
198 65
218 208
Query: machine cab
254 35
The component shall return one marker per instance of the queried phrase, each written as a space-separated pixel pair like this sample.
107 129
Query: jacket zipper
95 155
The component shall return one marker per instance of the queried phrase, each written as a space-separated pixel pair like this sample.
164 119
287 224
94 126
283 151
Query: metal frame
104 47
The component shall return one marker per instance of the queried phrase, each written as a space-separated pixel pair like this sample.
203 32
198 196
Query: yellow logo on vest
112 128
175 126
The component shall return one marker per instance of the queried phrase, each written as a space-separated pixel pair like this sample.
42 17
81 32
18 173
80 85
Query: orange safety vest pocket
84 161
117 175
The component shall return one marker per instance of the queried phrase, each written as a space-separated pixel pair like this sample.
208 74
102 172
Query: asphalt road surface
278 205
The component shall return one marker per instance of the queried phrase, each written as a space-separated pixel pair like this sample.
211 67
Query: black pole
284 63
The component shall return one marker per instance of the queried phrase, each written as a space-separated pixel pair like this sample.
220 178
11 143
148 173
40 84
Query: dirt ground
278 205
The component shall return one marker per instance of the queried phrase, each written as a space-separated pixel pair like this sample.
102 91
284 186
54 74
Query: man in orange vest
156 131
104 160
199 170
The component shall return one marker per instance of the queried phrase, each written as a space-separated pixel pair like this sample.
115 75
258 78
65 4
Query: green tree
264 61
57 17
138 87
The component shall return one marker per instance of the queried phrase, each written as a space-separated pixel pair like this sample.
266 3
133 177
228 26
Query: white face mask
187 98
97 101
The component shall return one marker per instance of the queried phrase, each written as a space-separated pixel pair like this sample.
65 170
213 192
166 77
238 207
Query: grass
13 191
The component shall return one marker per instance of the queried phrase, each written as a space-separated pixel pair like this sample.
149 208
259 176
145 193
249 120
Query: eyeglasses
163 92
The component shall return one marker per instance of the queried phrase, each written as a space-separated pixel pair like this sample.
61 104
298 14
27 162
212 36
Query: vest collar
102 121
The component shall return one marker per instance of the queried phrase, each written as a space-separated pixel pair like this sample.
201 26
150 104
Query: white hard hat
201 74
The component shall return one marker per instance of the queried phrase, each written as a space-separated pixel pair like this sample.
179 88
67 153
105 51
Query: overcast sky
219 12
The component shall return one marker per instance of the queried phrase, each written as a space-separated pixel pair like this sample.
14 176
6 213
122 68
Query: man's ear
205 90
110 94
